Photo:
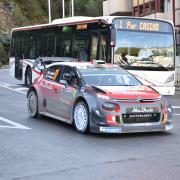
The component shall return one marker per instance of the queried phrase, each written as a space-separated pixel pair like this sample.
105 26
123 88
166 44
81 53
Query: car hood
130 92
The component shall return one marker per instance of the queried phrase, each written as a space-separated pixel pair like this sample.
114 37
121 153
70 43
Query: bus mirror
113 37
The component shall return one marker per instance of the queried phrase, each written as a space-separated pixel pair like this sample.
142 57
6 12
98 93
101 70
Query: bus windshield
141 50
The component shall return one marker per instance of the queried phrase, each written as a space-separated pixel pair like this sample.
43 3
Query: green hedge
3 55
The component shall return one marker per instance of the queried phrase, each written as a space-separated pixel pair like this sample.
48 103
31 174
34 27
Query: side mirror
64 82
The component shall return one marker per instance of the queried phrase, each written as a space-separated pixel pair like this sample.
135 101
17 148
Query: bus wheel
28 77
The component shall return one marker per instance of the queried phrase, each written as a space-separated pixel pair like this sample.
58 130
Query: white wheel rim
80 117
32 103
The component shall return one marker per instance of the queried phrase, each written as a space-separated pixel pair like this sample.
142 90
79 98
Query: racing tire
81 117
32 104
28 77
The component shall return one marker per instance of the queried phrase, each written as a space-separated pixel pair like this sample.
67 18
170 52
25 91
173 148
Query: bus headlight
170 79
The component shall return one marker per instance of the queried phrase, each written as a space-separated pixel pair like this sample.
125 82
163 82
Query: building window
147 8
161 8
153 7
136 13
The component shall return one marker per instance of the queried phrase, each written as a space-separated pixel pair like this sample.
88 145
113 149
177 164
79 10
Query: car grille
141 118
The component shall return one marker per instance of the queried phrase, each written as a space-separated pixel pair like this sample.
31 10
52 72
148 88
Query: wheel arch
32 88
80 98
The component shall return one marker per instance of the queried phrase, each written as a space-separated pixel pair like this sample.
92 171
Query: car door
68 93
50 89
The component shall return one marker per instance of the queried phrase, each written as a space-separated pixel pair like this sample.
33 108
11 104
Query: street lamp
63 8
49 10
72 8
72 3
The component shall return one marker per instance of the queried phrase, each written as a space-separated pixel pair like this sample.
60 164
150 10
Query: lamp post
72 8
72 3
49 10
63 8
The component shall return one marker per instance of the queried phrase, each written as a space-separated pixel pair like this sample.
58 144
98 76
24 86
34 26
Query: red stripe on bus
39 73
145 80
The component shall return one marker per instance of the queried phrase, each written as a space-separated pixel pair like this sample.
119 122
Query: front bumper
134 128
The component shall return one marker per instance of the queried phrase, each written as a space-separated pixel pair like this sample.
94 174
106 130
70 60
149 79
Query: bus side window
66 45
80 46
38 46
94 46
103 46
50 49
32 48
48 45
44 45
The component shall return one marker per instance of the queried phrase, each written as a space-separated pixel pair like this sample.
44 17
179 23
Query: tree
3 55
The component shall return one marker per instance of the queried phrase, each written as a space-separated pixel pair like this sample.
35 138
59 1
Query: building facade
157 9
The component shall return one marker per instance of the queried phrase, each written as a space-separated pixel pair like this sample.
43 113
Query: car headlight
111 106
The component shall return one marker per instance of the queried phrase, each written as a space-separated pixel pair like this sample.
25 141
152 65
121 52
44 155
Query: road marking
176 107
21 88
15 88
13 124
176 114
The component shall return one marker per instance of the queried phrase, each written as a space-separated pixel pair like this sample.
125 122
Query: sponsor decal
110 129
169 127
74 93
142 110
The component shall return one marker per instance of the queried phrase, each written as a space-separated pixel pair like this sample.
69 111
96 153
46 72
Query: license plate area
141 118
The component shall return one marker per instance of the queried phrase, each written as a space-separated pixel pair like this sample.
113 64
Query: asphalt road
37 149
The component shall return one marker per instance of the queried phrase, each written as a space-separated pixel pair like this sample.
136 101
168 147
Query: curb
4 67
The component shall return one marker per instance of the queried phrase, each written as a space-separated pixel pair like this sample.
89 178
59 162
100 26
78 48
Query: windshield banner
142 25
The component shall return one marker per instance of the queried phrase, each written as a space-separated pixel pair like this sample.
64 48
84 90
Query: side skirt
56 117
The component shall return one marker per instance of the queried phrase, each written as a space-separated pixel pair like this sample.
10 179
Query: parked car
101 98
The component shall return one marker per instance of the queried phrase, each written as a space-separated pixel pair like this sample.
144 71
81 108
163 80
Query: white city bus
145 47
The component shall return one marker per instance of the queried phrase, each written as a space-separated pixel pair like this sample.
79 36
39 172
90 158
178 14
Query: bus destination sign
142 25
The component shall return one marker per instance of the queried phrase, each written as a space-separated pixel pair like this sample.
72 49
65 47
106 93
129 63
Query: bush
3 55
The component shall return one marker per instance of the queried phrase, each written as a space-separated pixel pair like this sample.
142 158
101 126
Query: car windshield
144 50
104 76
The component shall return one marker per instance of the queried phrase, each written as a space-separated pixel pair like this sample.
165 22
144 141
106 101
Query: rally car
101 98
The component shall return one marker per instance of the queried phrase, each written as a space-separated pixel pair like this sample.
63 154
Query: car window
53 73
69 76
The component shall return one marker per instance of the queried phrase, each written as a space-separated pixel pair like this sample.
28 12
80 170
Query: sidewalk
4 67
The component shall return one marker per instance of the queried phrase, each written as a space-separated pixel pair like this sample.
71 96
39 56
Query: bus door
98 48
18 59
94 45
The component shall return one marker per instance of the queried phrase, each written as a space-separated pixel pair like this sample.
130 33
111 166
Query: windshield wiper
159 65
146 61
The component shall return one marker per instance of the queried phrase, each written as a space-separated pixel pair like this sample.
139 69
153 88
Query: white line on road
176 114
22 88
7 86
176 107
14 124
